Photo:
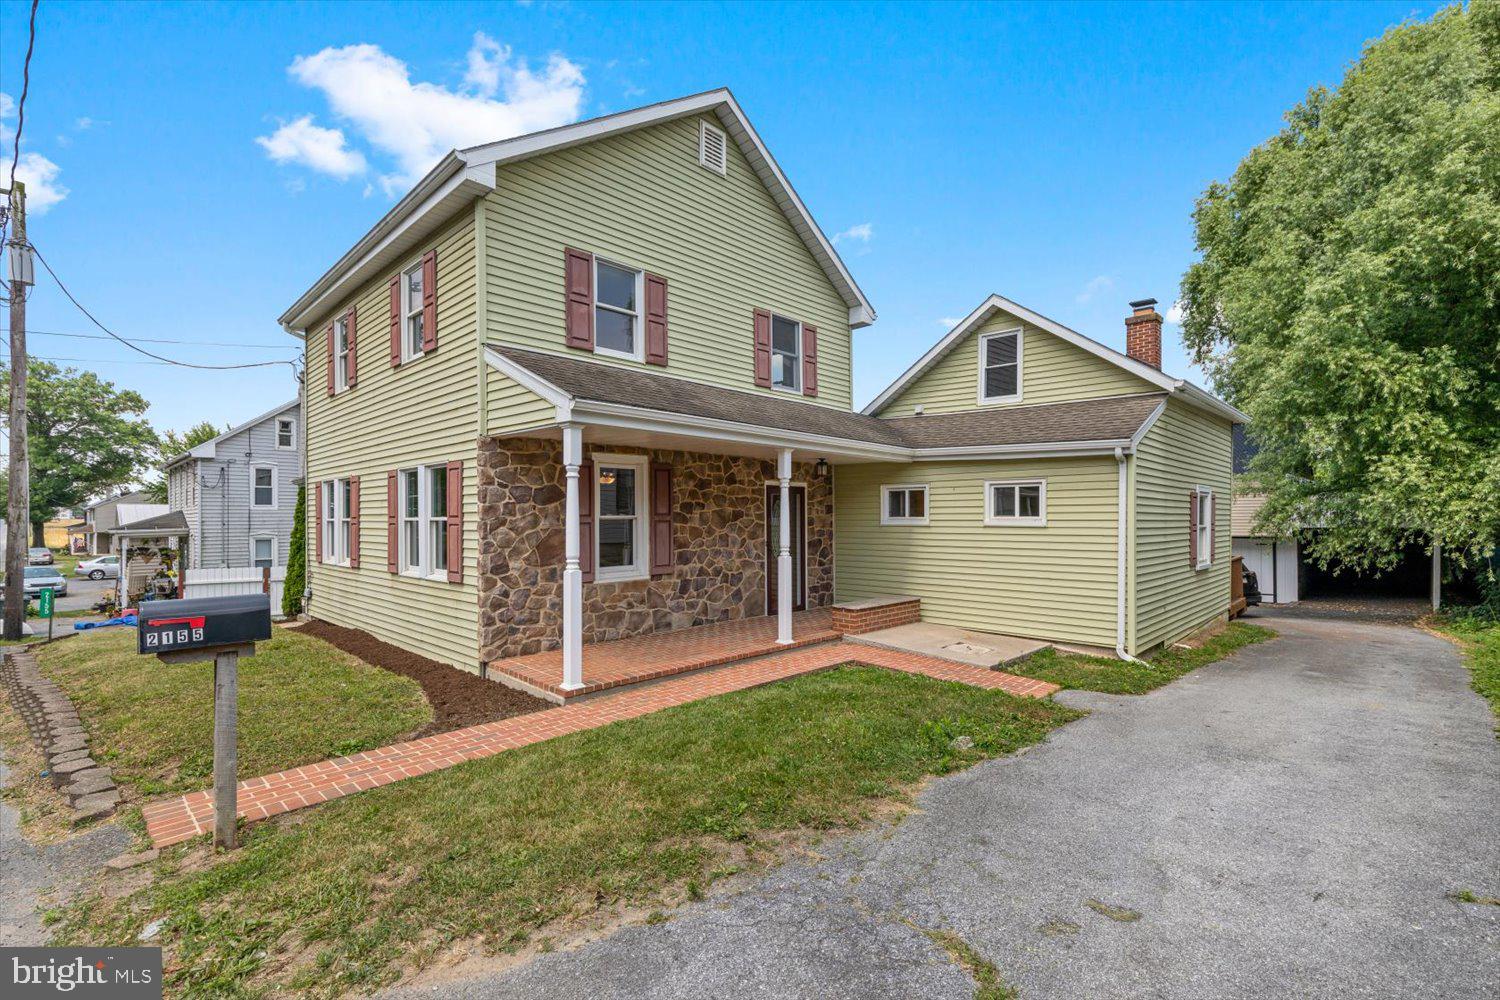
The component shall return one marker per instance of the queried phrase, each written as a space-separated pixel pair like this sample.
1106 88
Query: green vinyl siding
1185 448
1056 582
1052 371
513 407
423 412
641 200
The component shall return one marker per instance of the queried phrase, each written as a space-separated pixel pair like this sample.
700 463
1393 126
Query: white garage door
1274 565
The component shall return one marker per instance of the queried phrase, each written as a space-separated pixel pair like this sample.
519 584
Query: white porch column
784 554
572 623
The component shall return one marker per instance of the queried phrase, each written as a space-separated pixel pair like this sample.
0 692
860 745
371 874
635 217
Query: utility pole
18 505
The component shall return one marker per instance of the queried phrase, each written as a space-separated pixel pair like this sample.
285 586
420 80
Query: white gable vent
713 148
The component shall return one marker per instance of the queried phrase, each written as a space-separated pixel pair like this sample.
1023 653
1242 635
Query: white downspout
1120 556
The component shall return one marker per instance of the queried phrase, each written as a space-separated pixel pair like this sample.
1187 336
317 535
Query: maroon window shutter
318 501
429 301
762 348
330 359
354 522
1193 528
586 520
661 519
392 515
455 522
395 319
578 281
809 360
656 320
351 365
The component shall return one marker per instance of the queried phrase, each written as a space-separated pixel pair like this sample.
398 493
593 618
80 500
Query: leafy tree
85 437
1348 298
296 559
170 445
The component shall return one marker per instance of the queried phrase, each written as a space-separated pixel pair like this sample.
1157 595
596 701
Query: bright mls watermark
117 973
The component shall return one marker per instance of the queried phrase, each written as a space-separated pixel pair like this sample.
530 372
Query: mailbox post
219 629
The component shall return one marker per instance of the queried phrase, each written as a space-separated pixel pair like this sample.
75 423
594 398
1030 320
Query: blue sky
1049 152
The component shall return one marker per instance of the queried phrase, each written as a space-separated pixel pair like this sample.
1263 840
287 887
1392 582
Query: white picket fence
225 582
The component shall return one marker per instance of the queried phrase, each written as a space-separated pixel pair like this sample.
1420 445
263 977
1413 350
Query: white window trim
274 554
641 568
275 488
984 339
1205 527
340 358
795 390
704 130
292 423
885 507
407 354
334 550
637 335
991 519
424 570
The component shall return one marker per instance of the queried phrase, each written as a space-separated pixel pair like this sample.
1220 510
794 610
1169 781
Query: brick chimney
1143 333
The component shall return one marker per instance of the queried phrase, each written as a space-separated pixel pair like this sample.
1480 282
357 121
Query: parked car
39 556
98 568
40 578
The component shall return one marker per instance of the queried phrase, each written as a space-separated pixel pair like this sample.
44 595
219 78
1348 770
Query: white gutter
1120 554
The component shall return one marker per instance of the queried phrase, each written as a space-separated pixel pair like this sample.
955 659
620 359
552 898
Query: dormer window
1000 367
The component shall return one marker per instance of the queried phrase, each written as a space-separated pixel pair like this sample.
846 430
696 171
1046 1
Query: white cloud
321 149
861 233
1177 313
416 123
1096 285
949 322
38 173
84 124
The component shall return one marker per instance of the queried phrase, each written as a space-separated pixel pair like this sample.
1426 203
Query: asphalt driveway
1289 822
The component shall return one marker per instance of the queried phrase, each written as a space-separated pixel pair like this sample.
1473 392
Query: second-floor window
411 312
263 486
617 314
786 353
1000 367
286 432
341 353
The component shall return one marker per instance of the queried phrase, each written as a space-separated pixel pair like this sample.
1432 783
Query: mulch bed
458 698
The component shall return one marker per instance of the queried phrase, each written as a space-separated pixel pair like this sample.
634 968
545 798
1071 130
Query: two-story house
595 382
238 491
95 535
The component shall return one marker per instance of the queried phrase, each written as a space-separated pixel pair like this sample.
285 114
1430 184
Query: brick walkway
175 820
662 654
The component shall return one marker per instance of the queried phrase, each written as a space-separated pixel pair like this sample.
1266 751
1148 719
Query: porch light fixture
821 469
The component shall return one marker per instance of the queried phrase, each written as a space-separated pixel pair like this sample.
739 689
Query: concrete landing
977 649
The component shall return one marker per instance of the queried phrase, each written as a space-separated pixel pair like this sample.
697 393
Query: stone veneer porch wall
718 533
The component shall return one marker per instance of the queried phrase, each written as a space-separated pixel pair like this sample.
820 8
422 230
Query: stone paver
174 820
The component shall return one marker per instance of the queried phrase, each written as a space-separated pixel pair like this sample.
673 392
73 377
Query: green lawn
301 700
1481 644
1112 676
642 814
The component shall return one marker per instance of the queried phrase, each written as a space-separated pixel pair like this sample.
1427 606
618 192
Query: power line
142 350
160 340
109 361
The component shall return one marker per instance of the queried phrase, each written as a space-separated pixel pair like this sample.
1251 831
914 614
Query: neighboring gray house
238 491
100 518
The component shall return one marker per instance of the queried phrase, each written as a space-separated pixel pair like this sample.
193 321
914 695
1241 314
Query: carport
151 552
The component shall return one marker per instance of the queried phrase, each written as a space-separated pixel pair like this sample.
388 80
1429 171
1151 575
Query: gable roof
129 496
209 448
996 303
466 174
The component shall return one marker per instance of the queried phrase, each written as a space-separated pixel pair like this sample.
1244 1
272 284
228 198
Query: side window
1021 502
1205 527
411 312
1000 367
262 552
786 353
903 505
263 486
286 432
617 312
424 520
341 353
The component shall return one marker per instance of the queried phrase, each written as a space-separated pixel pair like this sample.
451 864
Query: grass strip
1112 676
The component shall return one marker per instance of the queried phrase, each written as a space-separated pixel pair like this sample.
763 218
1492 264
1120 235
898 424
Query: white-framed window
1205 527
411 312
786 354
620 524
262 552
1000 367
336 521
286 432
424 520
341 353
713 148
1015 502
617 310
903 505
263 486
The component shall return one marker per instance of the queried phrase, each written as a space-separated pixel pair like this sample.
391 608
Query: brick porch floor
662 654
172 821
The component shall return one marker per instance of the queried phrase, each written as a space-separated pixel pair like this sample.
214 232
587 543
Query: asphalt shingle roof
173 522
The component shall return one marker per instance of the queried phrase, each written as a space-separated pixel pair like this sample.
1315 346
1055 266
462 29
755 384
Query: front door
799 546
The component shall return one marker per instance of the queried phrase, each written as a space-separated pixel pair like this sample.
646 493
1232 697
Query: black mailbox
204 622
